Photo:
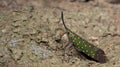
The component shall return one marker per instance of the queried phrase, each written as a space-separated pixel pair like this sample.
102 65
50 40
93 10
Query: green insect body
84 46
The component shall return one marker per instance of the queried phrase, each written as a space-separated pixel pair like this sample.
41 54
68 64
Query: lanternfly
84 46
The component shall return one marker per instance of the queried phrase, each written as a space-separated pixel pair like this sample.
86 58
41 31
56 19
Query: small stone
95 38
42 53
4 30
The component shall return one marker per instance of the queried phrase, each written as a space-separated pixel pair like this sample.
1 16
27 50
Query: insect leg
68 45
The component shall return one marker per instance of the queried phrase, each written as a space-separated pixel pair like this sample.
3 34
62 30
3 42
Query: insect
84 46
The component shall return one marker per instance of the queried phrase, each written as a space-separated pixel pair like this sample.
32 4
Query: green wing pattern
82 44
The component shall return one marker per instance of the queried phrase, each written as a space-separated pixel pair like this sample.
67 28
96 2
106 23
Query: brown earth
29 30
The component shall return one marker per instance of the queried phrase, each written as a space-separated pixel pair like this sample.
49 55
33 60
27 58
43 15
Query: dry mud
29 30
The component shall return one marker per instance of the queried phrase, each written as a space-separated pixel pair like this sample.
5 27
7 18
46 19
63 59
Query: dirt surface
29 30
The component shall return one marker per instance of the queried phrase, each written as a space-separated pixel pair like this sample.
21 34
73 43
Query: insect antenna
63 20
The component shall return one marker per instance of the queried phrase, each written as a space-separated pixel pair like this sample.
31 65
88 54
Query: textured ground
29 30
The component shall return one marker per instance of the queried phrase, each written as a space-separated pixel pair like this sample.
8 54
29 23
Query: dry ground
29 30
